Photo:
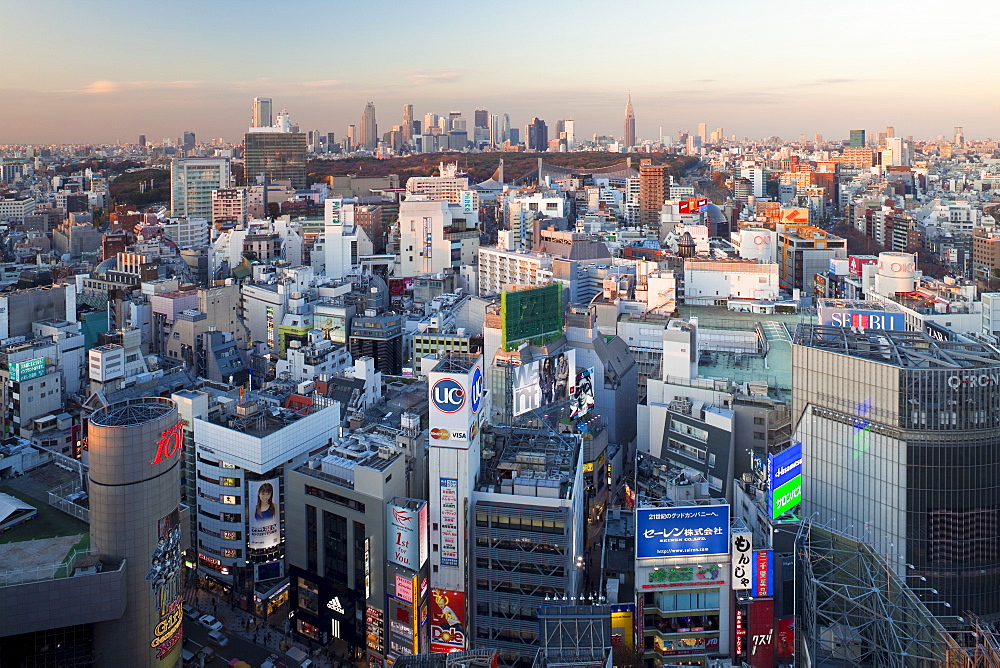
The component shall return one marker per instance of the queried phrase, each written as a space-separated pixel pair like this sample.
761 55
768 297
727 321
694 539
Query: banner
265 514
742 569
545 381
681 531
447 621
403 537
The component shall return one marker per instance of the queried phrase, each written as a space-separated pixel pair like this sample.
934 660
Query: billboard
21 371
862 319
544 382
742 569
530 314
760 645
164 583
795 216
403 536
786 637
681 531
583 394
784 474
455 398
264 514
763 573
449 522
447 621
424 538
855 262
623 624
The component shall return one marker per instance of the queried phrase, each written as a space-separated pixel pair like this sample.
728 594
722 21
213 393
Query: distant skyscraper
142 141
407 127
369 129
505 129
537 135
890 132
261 113
275 154
629 125
482 118
857 138
495 130
703 131
188 141
352 137
570 128
959 136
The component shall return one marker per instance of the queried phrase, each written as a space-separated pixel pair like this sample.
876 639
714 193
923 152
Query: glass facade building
277 156
901 449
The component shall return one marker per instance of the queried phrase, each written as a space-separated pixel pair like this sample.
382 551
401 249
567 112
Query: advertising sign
400 627
855 262
786 637
545 381
374 624
476 390
583 395
741 632
447 621
164 583
680 531
683 576
404 588
21 371
449 522
424 538
761 637
264 514
795 216
742 568
891 320
937 332
623 624
448 395
763 574
785 480
403 539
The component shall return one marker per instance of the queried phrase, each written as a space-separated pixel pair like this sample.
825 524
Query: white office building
192 181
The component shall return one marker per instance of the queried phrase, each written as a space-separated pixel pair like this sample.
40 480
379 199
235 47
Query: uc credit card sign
681 531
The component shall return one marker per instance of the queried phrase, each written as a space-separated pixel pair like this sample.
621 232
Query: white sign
403 539
335 605
742 568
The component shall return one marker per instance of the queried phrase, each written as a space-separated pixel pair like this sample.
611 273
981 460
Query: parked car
210 622
217 638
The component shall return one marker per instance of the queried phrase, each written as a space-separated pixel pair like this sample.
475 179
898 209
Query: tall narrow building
407 124
261 113
629 125
369 130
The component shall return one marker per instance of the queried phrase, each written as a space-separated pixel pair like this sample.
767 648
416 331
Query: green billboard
21 371
530 314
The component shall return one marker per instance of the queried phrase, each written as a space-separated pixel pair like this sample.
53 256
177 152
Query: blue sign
763 573
448 395
785 465
681 531
477 389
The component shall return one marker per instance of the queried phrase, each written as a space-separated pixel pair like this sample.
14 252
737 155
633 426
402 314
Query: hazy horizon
106 72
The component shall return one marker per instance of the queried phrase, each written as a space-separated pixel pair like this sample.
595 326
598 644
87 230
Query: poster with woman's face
265 527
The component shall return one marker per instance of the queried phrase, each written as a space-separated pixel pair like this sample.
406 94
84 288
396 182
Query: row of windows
333 497
670 602
515 523
521 567
520 544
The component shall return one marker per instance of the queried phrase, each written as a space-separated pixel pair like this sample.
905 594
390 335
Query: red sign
684 206
171 442
741 632
447 621
786 637
855 262
761 639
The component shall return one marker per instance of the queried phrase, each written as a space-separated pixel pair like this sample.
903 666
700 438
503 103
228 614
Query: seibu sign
171 442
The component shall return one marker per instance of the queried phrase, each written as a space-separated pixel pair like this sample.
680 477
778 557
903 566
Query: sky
110 70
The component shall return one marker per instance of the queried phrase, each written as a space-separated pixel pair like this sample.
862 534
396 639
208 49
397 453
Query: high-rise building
229 205
261 113
857 138
537 135
142 141
629 125
192 181
407 127
652 191
481 118
890 132
369 129
270 157
570 128
188 141
900 443
135 491
959 136
703 131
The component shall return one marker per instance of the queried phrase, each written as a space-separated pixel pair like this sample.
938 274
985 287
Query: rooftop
529 462
913 350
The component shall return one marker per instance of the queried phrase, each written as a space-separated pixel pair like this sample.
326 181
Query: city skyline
194 81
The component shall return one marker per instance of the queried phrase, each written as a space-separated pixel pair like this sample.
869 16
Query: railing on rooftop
57 570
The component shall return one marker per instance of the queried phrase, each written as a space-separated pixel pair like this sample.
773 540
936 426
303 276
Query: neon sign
171 442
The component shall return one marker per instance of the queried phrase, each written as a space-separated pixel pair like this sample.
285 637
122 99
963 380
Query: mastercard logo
440 434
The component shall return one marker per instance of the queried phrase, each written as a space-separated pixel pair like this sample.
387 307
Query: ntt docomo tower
457 398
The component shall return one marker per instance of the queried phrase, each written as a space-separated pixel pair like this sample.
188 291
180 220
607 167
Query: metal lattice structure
852 609
132 412
577 636
913 350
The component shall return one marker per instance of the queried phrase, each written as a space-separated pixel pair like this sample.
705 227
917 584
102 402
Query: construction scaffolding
852 610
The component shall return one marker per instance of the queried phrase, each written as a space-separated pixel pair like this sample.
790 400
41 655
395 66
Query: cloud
441 77
102 87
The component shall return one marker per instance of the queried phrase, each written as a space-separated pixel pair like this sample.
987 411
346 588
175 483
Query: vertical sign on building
742 568
270 325
449 522
741 632
761 647
403 540
763 573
